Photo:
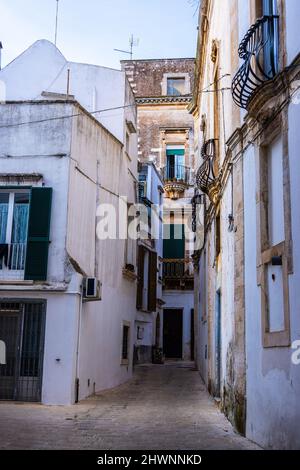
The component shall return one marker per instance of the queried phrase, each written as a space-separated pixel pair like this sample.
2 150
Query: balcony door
271 39
175 164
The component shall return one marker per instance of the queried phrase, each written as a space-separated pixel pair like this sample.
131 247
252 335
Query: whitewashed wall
42 68
292 12
273 381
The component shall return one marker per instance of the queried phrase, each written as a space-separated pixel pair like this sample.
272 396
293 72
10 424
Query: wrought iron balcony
176 180
206 179
176 173
178 273
259 50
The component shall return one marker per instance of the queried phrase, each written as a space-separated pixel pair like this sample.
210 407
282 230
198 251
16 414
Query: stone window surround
164 83
265 252
180 137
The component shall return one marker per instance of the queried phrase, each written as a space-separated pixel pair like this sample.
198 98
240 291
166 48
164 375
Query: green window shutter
174 248
140 278
38 234
175 152
152 281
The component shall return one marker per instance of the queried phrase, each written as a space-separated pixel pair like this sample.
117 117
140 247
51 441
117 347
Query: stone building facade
246 114
163 91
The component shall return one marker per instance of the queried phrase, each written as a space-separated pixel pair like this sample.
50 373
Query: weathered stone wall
152 120
146 76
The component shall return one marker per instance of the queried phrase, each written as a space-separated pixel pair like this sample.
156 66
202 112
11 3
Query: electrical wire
24 123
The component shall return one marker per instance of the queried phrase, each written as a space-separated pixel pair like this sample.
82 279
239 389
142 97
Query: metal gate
22 329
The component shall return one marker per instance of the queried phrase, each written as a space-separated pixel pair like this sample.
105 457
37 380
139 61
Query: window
24 233
175 164
14 211
176 86
125 343
142 186
273 260
275 193
269 8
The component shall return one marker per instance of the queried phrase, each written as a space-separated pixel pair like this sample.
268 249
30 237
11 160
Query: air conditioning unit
92 289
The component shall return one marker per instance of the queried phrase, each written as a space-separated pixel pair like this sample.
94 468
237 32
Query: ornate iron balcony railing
205 175
259 50
177 268
176 173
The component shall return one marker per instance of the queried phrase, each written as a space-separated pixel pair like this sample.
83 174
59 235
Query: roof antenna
56 22
133 42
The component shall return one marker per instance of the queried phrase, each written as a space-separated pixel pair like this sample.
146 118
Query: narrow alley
162 407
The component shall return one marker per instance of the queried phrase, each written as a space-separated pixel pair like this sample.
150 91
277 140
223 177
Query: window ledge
13 282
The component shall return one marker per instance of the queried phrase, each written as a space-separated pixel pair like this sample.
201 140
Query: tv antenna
56 22
133 42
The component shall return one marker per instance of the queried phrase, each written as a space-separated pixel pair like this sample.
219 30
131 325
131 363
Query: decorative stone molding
164 100
174 190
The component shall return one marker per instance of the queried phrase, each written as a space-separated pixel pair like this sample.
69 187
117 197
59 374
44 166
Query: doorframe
22 303
182 328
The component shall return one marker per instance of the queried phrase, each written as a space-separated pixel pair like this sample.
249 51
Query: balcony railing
205 175
259 51
177 268
12 260
176 174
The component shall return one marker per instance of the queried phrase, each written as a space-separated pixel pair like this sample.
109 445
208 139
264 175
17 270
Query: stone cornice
164 100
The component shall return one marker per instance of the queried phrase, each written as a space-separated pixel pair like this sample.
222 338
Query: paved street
162 407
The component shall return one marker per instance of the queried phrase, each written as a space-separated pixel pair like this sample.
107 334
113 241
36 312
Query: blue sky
89 30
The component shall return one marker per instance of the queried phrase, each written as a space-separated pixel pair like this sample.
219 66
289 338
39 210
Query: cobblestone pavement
162 407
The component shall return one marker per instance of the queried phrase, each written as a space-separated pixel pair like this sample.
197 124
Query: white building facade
247 265
163 89
59 166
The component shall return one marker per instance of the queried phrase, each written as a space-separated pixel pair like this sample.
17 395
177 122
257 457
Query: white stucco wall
273 381
42 68
200 280
60 344
97 159
32 149
292 12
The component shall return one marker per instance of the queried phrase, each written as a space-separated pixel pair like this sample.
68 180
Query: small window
14 211
125 344
176 86
142 186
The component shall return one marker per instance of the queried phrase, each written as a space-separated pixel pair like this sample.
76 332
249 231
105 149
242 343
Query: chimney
1 47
